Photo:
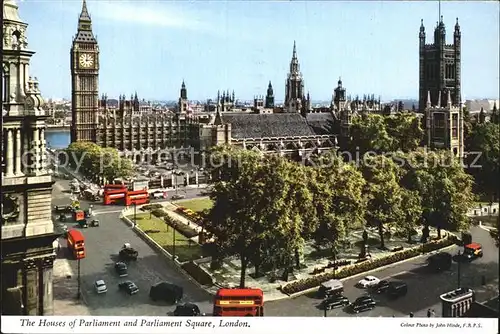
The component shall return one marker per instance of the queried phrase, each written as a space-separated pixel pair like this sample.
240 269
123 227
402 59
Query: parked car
121 269
439 262
334 302
63 208
165 291
362 304
129 287
329 288
187 310
177 196
100 286
382 286
368 281
471 252
397 289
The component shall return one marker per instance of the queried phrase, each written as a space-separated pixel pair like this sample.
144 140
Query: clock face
86 60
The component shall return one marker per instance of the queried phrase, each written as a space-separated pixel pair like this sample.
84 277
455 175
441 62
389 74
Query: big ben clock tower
84 81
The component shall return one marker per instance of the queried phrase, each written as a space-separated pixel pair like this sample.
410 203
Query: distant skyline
151 46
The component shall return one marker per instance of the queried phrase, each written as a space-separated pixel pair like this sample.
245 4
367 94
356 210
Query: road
102 245
423 288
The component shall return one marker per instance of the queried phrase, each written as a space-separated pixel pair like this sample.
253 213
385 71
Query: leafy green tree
411 212
369 133
383 192
444 187
484 141
337 189
405 131
237 227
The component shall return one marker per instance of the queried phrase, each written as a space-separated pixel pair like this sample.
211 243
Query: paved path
423 288
103 244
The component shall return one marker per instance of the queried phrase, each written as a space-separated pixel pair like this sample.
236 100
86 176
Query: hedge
159 213
151 207
182 228
198 274
354 269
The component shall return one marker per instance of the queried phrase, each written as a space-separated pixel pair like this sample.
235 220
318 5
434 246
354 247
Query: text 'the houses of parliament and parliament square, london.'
281 204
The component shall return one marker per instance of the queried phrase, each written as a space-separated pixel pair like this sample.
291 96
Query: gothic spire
84 15
294 54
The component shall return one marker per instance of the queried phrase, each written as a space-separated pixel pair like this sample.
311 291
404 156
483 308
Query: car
121 269
94 223
362 304
166 291
62 217
334 302
63 208
177 196
382 286
187 310
129 287
330 288
397 289
100 286
439 262
472 251
368 281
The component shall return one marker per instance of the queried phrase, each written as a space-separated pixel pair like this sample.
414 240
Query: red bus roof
138 192
115 186
75 235
240 292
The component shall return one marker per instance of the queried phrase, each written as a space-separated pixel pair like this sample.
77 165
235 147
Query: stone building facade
27 227
439 66
440 98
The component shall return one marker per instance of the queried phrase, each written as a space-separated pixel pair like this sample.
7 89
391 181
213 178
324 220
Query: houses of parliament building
294 128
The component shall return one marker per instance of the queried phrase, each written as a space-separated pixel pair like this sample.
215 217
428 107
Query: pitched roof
245 125
321 123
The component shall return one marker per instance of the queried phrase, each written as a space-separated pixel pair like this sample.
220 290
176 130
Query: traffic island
171 240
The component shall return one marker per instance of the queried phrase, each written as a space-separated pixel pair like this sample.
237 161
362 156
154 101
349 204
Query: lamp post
135 214
458 271
174 225
78 294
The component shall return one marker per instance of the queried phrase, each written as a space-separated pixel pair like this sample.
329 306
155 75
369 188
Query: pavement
102 246
424 289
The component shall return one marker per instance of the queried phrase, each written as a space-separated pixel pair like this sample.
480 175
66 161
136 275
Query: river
57 139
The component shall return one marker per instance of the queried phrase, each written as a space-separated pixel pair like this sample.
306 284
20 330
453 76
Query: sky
152 46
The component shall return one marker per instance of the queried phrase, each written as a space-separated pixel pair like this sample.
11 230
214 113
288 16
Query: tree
337 189
411 211
405 131
484 141
93 161
234 222
369 133
383 192
444 188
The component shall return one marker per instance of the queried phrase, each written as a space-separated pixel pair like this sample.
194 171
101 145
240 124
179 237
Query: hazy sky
151 46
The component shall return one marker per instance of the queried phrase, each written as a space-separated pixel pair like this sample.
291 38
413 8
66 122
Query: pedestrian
411 314
58 247
429 313
433 313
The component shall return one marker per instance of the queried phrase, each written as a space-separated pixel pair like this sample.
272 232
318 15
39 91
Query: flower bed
151 207
354 269
183 229
189 214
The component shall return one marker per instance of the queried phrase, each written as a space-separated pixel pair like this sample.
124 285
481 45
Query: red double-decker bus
137 197
76 244
114 193
239 303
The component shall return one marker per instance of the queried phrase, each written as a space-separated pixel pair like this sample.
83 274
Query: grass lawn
164 234
197 205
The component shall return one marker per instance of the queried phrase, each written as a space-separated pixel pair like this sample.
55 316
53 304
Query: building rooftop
245 125
457 295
